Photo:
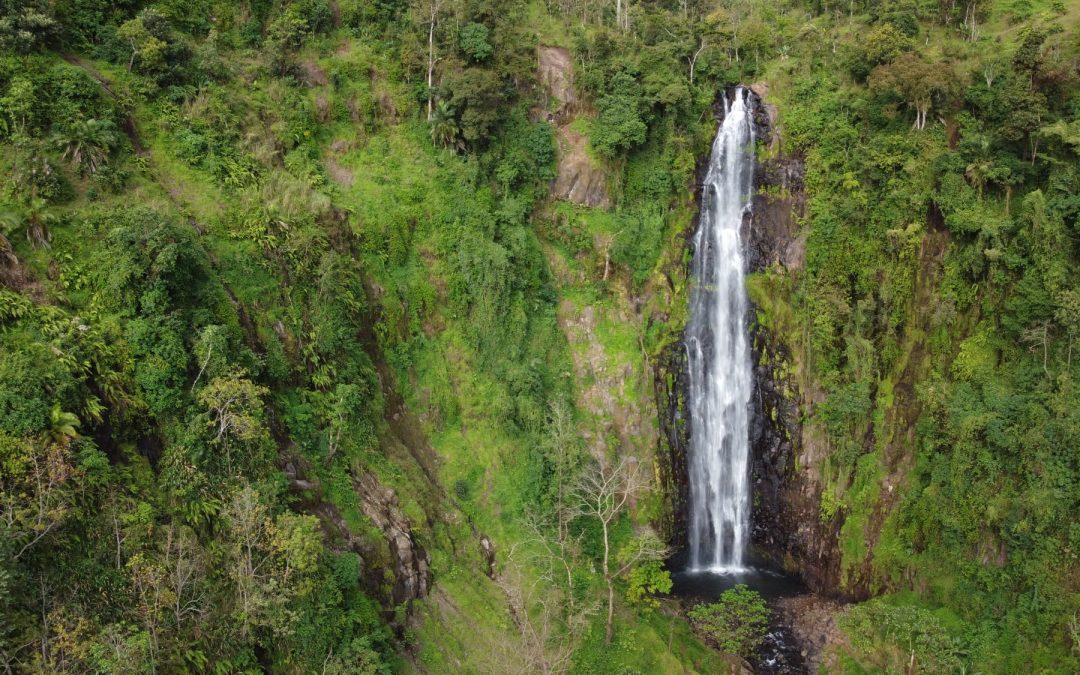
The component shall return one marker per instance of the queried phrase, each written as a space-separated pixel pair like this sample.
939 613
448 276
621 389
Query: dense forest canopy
303 368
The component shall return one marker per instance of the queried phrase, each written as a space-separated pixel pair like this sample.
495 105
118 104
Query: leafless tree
246 519
563 447
1039 338
693 59
553 557
33 497
603 493
548 621
433 9
186 568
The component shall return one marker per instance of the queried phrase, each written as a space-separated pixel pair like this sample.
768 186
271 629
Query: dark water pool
781 654
707 586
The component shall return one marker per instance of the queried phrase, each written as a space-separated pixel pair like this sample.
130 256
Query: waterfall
719 355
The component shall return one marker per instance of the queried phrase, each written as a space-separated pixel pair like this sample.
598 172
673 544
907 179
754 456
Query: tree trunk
610 630
431 55
609 633
693 60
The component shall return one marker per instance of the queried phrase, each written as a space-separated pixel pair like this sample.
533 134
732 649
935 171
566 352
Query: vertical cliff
786 526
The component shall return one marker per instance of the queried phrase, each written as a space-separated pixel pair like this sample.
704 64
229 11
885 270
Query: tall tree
604 493
916 81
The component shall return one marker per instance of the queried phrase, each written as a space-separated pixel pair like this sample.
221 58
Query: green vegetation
736 622
900 638
281 287
944 355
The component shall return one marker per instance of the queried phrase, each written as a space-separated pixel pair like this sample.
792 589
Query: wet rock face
774 430
771 228
786 526
785 515
672 389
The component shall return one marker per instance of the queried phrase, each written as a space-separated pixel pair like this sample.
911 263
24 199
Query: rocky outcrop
409 561
773 234
771 229
394 568
556 74
579 178
812 621
671 382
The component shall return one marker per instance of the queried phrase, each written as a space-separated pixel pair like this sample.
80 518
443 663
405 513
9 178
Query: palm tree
34 215
87 143
62 425
977 173
444 129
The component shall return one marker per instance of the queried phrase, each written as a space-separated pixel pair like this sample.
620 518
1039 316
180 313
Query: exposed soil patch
338 173
311 75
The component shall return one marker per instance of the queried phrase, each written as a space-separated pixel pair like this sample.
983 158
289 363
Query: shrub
900 638
736 622
474 41
619 126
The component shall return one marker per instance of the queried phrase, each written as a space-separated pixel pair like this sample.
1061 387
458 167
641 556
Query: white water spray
719 354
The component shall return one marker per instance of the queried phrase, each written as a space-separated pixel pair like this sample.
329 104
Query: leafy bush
737 622
645 580
620 125
25 25
900 639
473 40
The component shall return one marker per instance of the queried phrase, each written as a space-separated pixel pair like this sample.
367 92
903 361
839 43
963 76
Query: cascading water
719 354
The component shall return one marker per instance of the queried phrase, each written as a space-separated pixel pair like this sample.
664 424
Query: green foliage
288 259
899 638
959 305
479 98
26 25
473 40
736 623
646 579
881 45
619 125
87 143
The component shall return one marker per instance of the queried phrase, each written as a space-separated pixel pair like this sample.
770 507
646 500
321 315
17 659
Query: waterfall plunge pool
706 585
781 654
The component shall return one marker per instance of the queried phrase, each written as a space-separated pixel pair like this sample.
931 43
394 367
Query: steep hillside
322 322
